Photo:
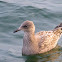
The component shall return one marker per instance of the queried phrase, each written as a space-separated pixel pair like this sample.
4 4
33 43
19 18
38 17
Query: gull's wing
47 40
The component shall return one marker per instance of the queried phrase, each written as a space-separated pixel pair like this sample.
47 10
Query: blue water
46 14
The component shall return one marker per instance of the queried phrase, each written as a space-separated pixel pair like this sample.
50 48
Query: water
45 14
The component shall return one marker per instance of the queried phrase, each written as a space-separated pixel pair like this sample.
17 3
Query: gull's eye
24 26
61 28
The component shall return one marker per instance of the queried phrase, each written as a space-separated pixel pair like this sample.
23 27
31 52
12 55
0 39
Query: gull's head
26 26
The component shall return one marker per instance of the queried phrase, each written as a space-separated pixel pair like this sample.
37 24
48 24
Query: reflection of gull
40 42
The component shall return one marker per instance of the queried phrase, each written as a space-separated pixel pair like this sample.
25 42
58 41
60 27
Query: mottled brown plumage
36 43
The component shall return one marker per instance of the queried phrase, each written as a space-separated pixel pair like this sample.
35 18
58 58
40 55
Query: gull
40 42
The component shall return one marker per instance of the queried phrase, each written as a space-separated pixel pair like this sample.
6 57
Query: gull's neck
29 43
29 38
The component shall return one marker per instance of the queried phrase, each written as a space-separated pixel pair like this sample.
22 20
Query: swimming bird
40 42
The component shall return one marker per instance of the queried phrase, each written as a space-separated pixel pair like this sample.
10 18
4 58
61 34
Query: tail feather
60 25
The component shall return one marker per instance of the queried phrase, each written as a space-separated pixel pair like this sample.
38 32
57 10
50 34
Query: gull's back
48 39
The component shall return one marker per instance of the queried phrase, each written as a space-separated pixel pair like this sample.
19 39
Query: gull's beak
17 30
